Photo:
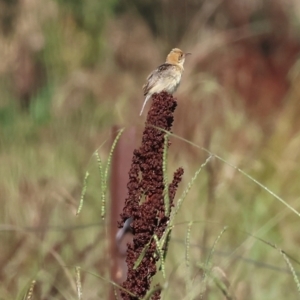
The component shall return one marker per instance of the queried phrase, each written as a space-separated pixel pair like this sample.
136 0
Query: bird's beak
187 54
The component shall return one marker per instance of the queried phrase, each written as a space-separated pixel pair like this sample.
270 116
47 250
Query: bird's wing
155 76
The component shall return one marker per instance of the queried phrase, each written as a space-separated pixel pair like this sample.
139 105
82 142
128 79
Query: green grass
42 177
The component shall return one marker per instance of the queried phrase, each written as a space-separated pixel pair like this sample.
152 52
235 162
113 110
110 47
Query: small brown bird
166 77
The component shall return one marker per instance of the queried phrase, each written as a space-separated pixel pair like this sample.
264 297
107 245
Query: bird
166 77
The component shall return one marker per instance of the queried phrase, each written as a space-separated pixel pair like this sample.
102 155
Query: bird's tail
145 101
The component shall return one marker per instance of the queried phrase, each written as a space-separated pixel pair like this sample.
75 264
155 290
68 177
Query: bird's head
176 57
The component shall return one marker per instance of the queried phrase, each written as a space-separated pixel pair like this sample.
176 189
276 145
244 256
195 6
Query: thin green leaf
83 192
141 256
165 175
161 255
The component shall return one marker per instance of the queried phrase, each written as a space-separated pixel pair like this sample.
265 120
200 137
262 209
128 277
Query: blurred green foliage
8 12
90 16
40 105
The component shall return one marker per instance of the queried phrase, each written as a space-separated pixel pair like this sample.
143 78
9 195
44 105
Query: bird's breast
172 82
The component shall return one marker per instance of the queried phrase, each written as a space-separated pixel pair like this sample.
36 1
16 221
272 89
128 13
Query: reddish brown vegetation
146 179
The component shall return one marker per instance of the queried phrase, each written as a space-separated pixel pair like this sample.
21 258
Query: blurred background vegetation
71 69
